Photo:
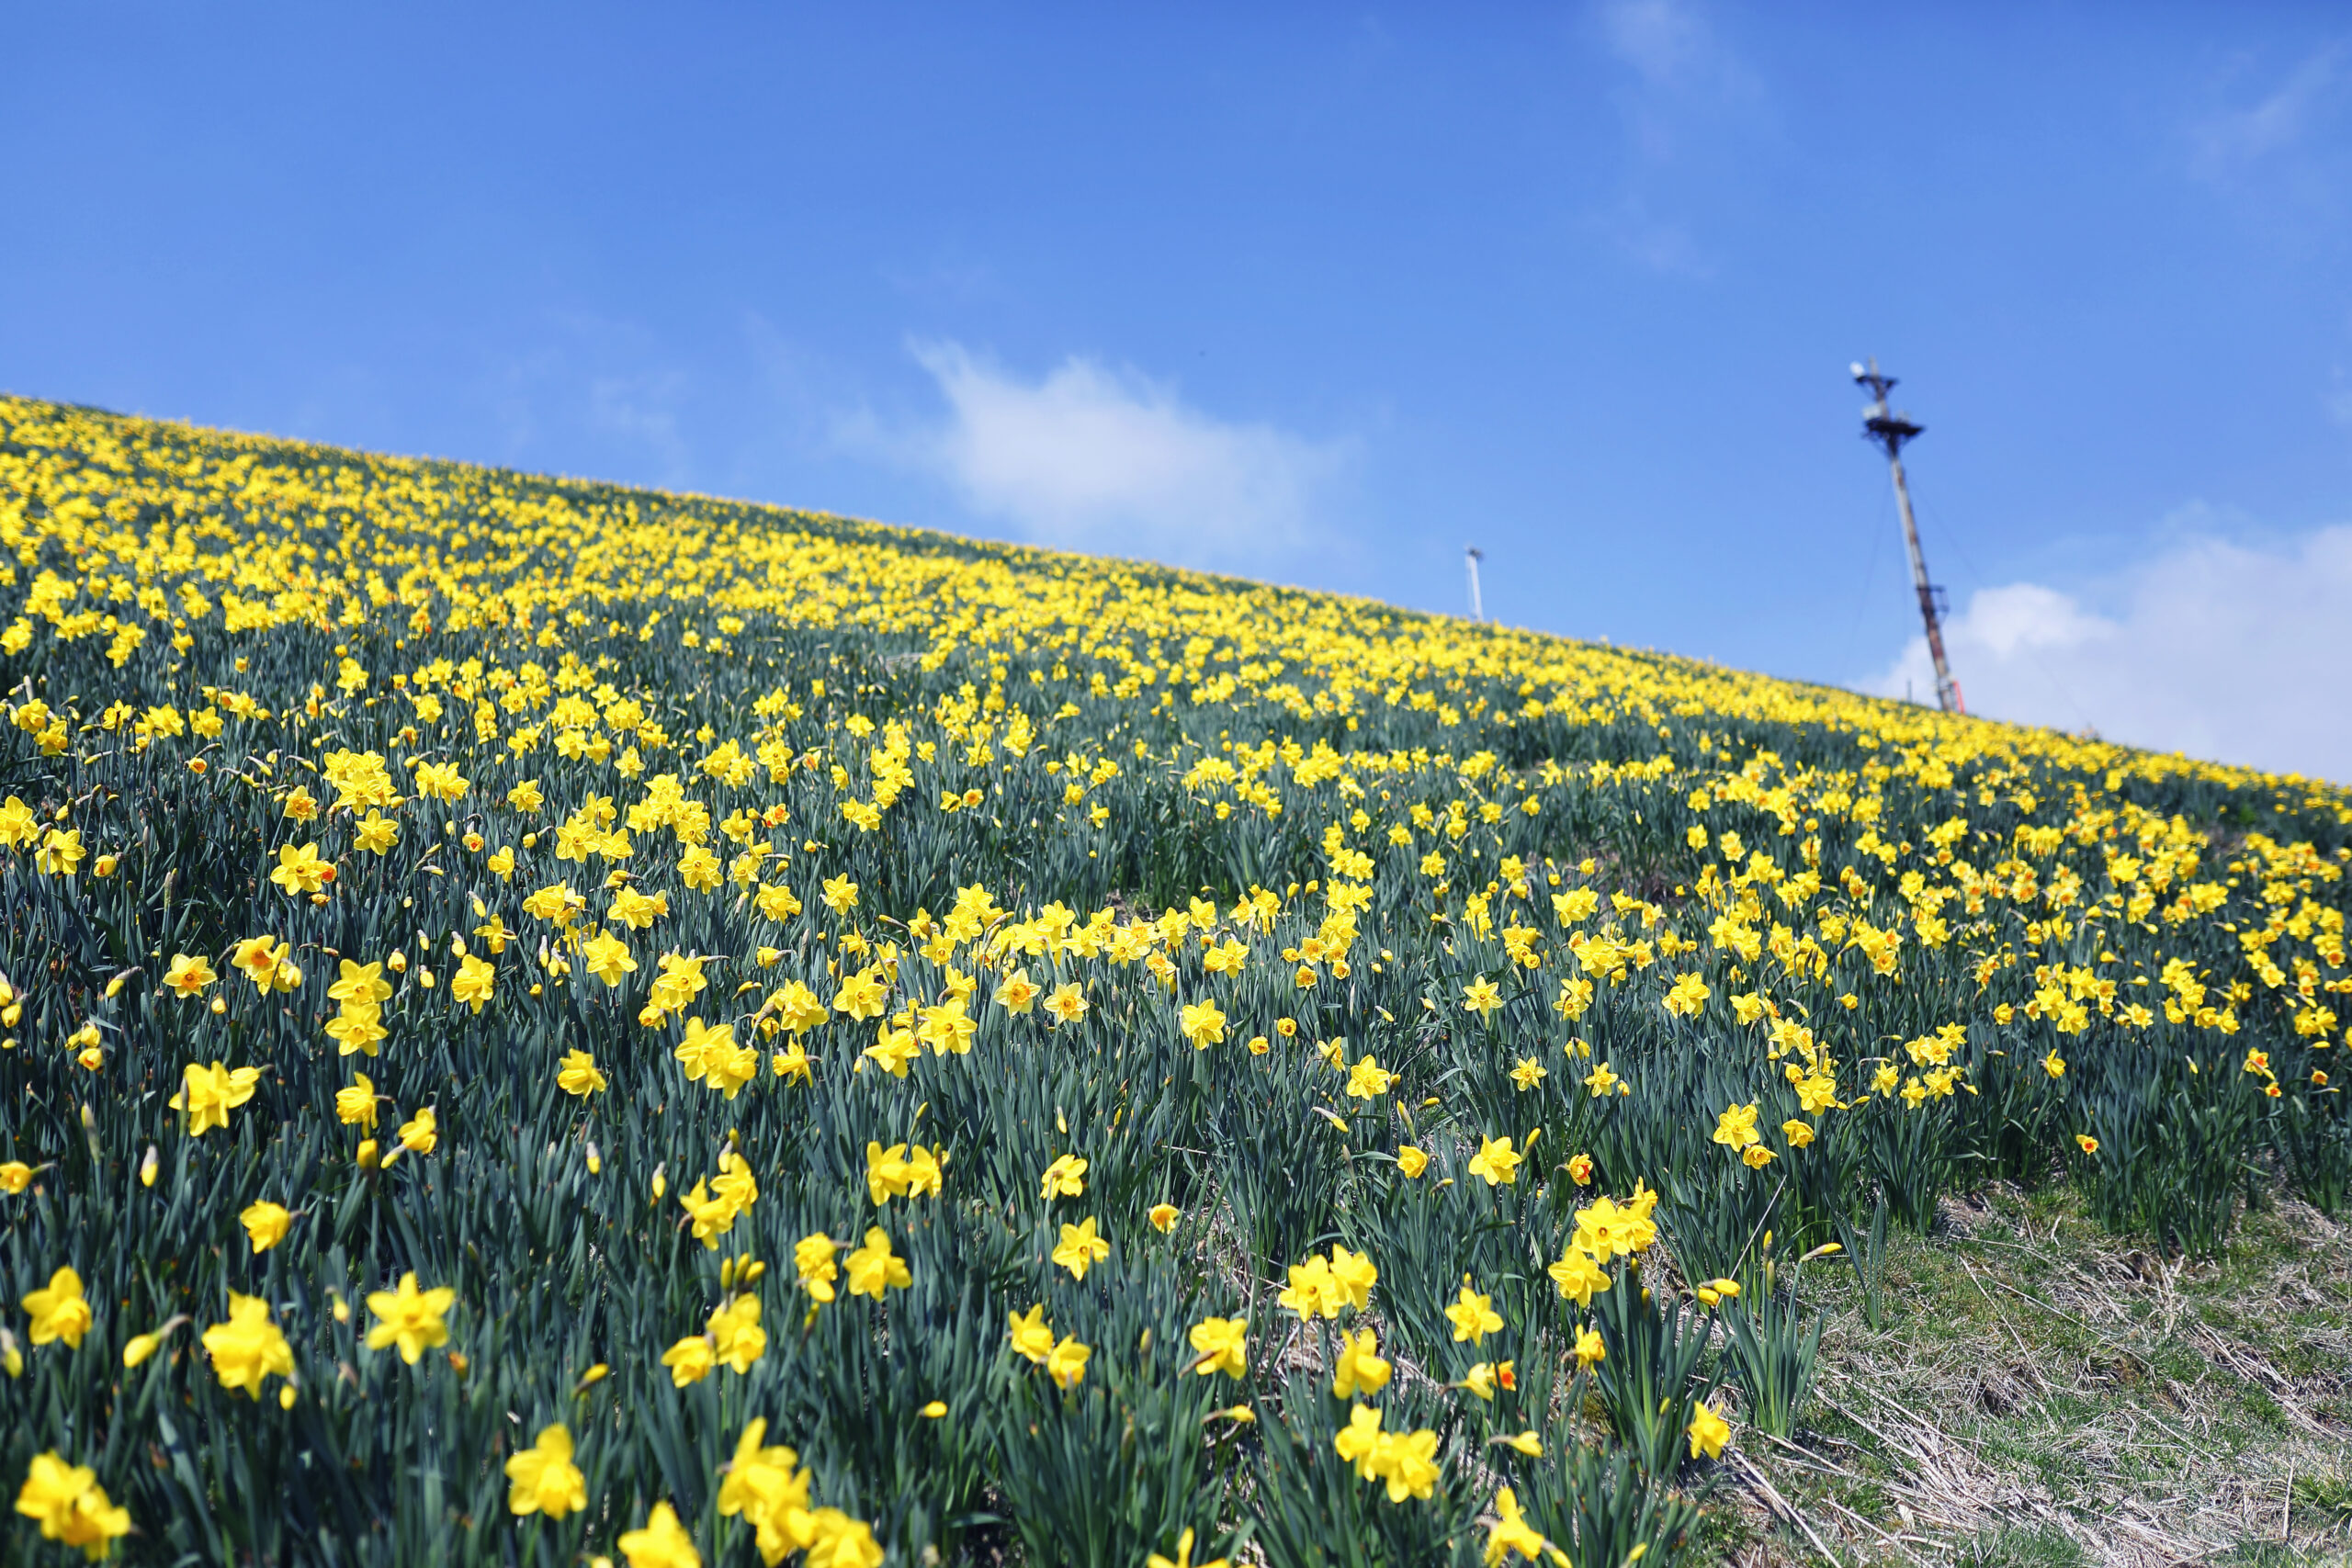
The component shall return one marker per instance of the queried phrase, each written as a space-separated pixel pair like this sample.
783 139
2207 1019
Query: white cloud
2229 651
1107 460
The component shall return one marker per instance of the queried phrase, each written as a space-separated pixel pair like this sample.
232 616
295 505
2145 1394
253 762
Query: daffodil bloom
1031 1336
577 1074
1736 1128
1358 1366
409 1318
663 1543
543 1478
188 975
1359 1441
1412 1161
607 957
1203 1023
1065 1177
266 1224
1407 1464
421 1132
299 869
812 1263
1184 1558
209 1094
259 960
473 982
355 1105
769 1490
1080 1248
1368 1080
71 1507
736 1338
1352 1277
1590 1349
16 1176
1687 998
1067 1004
1496 1161
248 1347
1163 1217
357 1028
1708 1432
1017 993
1473 1316
58 1310
862 996
1223 1344
62 852
1511 1532
1066 1364
690 1359
1577 1277
900 1171
264 961
1312 1291
704 1048
1608 1229
873 1267
1482 997
711 1216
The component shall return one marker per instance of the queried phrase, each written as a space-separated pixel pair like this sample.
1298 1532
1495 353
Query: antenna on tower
1471 556
1890 430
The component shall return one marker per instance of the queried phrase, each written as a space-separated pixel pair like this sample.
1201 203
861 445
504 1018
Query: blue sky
1314 294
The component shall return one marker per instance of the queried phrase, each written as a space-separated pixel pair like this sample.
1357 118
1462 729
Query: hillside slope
883 1046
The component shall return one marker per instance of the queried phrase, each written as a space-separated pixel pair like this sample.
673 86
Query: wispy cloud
1680 82
1099 459
2224 142
1664 40
642 410
607 384
2224 651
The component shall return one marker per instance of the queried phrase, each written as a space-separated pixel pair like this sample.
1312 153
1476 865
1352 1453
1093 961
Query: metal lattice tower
1889 430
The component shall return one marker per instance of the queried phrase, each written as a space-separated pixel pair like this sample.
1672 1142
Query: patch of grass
2326 1497
2040 1547
2042 1393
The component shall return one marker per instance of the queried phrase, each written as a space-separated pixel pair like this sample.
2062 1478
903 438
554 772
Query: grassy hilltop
549 1022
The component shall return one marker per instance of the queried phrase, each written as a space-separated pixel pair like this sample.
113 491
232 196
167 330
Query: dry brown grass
2040 1393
